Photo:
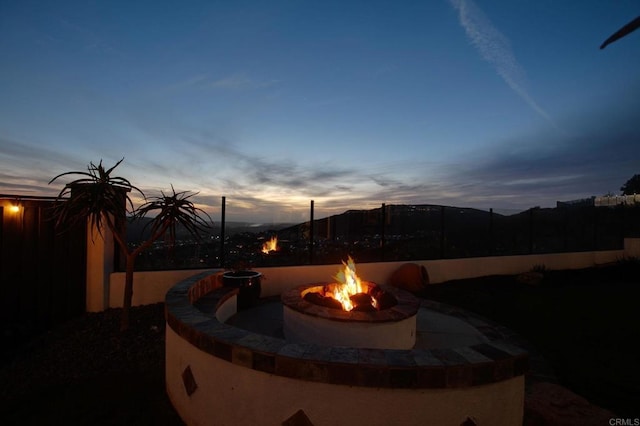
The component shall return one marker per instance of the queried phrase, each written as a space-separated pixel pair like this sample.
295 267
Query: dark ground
85 372
583 322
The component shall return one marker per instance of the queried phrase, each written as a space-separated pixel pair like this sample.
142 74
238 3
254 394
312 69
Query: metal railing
407 232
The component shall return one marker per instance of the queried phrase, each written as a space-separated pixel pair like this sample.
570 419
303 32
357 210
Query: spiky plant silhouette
103 201
97 196
624 31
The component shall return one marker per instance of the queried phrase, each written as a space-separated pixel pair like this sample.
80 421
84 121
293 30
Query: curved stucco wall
229 394
220 374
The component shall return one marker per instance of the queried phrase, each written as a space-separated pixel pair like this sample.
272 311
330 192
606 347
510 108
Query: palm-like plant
97 197
170 211
104 200
173 210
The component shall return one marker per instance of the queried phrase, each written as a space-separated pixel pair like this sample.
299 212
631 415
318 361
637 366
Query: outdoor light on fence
14 207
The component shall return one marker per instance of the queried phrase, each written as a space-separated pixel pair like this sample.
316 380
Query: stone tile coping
193 317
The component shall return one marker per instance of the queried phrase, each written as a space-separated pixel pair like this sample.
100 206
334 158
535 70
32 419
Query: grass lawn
583 322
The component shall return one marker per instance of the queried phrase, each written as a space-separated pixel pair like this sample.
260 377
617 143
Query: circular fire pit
222 374
313 320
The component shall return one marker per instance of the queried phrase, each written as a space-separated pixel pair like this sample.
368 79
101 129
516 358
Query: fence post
383 218
595 228
442 238
622 220
565 229
491 241
222 227
311 232
531 230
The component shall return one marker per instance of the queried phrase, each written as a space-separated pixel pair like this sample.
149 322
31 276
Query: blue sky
503 104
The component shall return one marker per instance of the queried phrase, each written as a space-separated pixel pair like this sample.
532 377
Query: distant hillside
136 229
400 220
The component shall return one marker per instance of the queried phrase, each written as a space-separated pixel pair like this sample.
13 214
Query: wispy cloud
27 168
235 81
87 39
239 81
495 48
596 161
248 171
328 102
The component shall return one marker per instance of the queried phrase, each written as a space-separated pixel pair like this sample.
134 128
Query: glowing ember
348 285
271 245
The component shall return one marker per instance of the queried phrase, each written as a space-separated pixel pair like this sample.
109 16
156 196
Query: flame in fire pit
350 293
271 245
348 285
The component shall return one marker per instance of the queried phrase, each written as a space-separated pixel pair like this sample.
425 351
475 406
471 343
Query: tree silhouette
632 186
104 201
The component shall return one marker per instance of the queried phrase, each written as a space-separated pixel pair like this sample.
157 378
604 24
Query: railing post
622 222
442 239
383 218
492 248
595 228
311 232
531 230
565 229
222 227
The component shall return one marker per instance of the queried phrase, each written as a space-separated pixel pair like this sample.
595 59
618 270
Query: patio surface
433 329
87 372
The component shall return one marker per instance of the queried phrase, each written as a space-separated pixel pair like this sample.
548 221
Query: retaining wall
151 286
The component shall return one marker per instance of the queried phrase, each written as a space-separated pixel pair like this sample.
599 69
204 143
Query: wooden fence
42 271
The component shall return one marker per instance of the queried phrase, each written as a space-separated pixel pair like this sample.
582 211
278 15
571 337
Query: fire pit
350 312
221 373
310 318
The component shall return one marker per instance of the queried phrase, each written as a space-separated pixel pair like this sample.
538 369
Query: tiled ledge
474 365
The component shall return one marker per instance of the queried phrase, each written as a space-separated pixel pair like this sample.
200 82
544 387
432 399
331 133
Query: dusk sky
502 104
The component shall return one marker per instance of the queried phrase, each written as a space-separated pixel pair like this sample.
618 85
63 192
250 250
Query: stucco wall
148 286
151 287
100 249
229 394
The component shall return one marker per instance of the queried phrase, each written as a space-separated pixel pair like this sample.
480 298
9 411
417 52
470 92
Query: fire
350 293
271 245
348 285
